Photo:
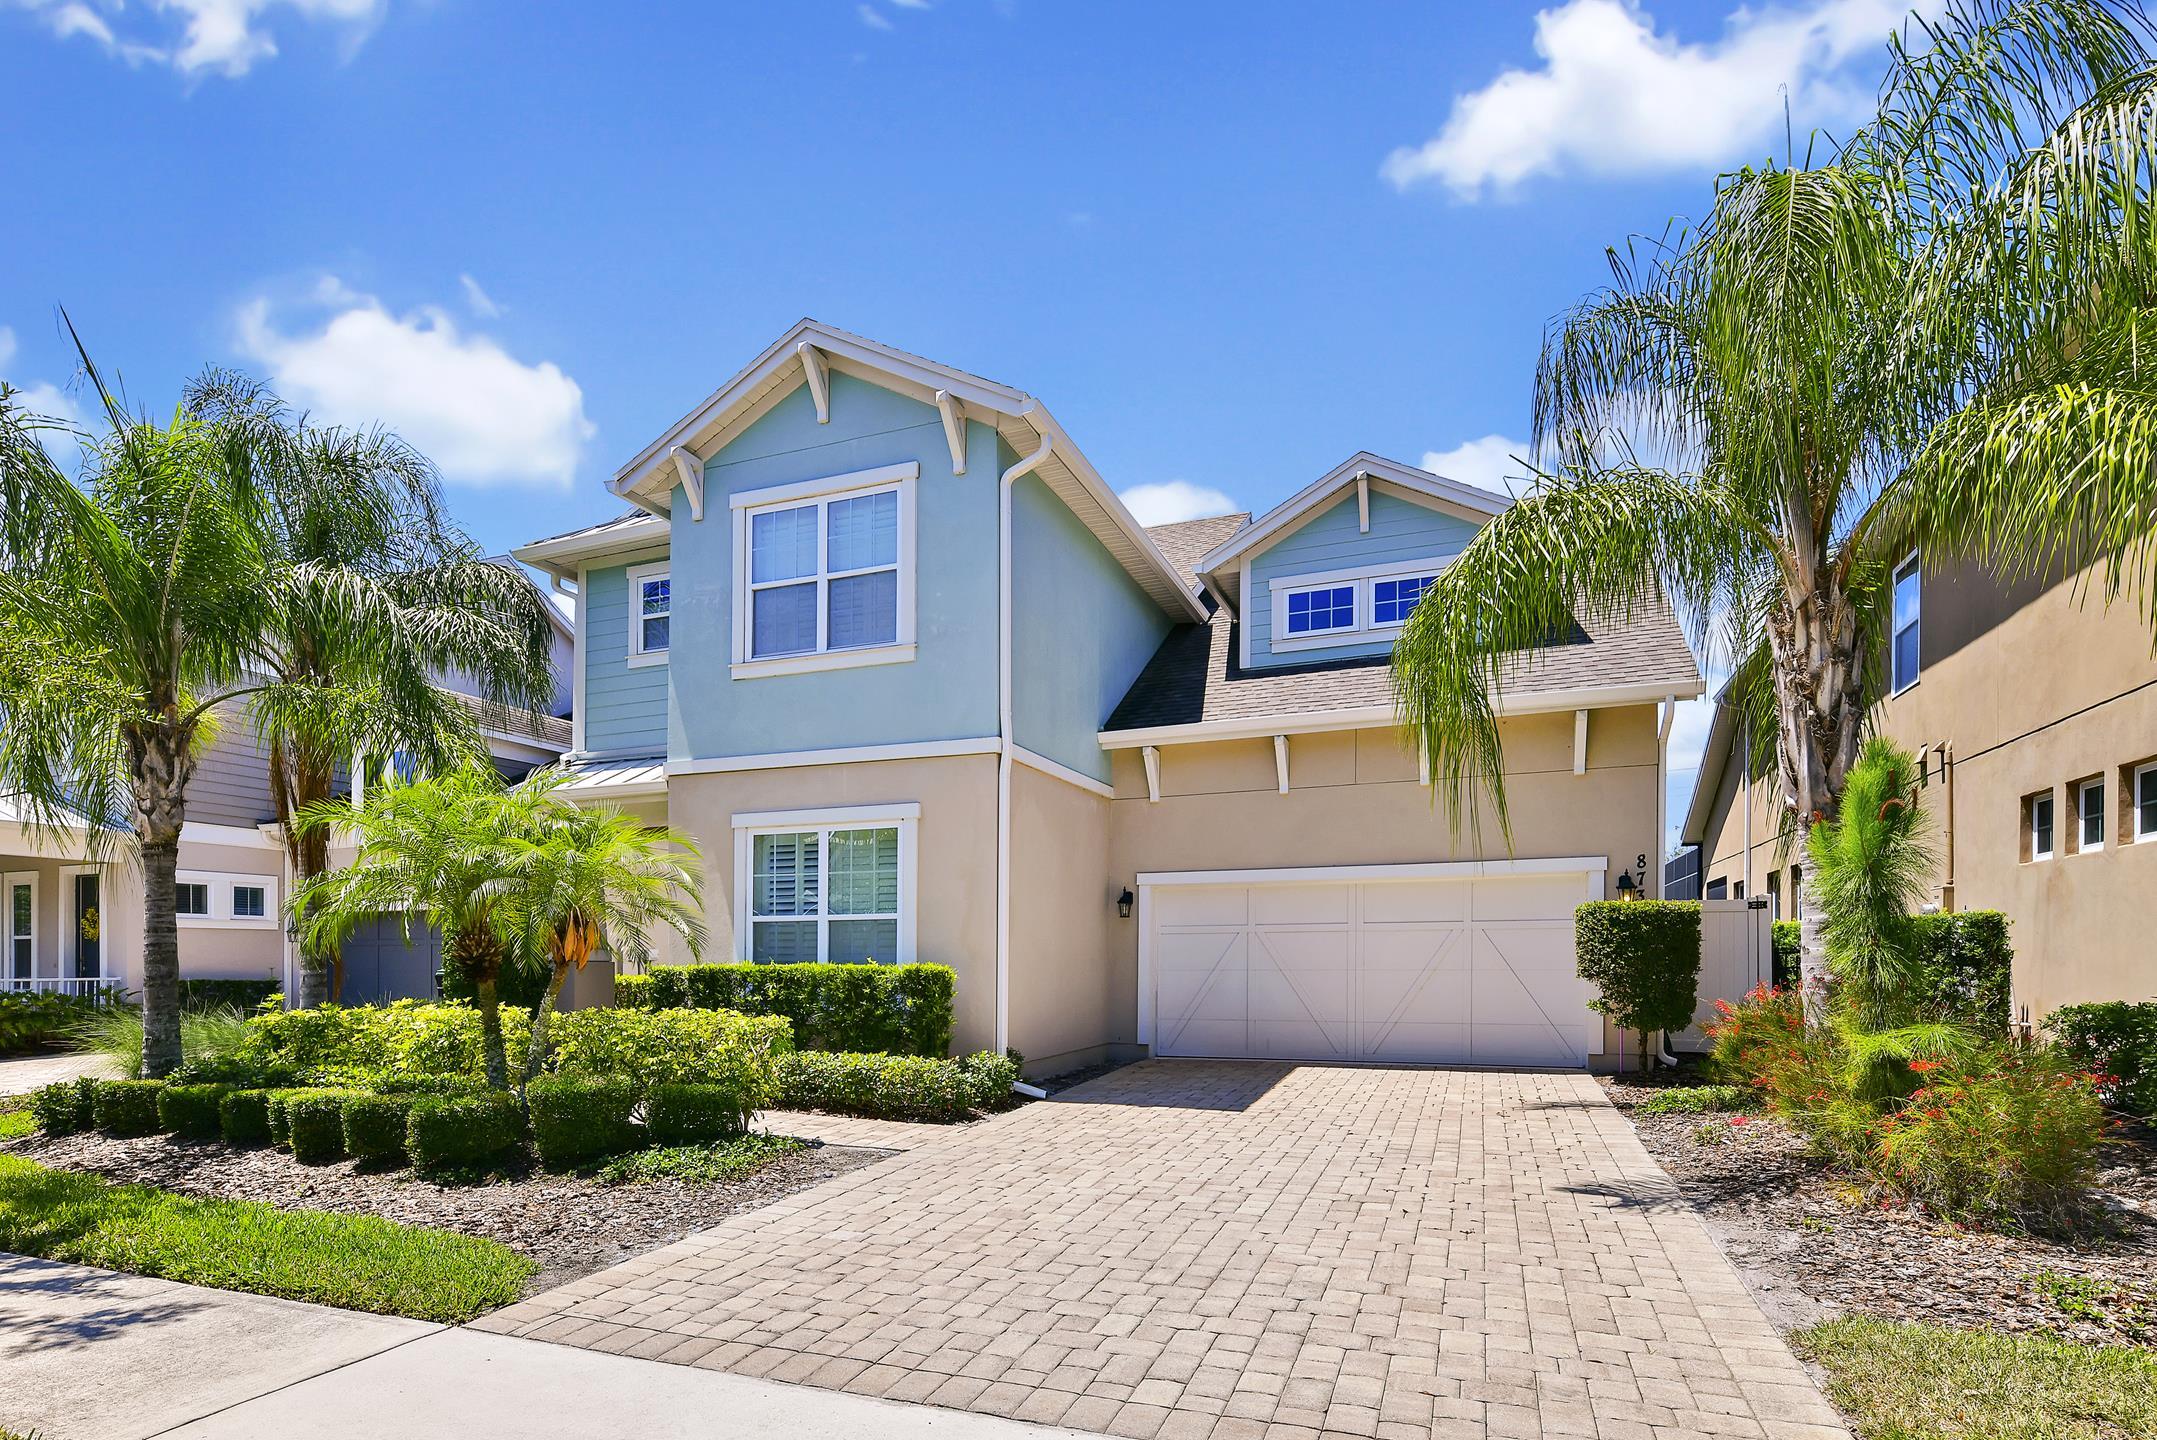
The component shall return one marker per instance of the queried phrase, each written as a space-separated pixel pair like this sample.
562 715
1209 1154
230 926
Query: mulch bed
1811 1245
569 1224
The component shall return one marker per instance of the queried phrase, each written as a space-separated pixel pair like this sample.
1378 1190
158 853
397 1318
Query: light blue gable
1401 531
1081 630
625 708
947 692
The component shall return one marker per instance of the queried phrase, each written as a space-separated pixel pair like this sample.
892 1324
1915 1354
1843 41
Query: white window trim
221 883
2030 820
638 574
2083 846
1364 578
899 478
8 883
2134 796
1894 578
749 824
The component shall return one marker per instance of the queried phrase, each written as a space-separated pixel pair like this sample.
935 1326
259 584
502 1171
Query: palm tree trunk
494 1054
536 1053
298 779
160 959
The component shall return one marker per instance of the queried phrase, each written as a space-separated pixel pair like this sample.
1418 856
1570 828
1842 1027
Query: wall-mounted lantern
1123 904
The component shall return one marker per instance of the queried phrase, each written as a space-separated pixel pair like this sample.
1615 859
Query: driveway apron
1195 1249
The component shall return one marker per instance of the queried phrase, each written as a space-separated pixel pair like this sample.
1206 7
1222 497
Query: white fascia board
1376 467
1035 761
1370 717
626 790
561 557
825 815
848 755
1369 874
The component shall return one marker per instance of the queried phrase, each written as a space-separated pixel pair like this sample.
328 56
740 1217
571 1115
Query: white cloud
1487 463
1615 95
482 415
478 301
1168 501
874 18
213 37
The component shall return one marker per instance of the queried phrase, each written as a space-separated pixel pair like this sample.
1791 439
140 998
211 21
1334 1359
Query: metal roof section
560 555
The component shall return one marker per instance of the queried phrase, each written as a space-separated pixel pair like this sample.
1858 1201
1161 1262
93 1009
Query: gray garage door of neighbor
380 966
1460 963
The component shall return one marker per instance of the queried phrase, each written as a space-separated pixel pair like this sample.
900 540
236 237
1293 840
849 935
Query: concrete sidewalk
20 1074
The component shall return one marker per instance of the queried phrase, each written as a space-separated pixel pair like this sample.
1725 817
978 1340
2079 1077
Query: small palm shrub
126 1107
191 1110
576 1119
243 1117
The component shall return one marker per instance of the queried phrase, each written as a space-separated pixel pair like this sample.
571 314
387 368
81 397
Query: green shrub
1784 943
700 1164
523 986
191 1110
42 1019
362 1044
279 1133
65 1106
420 1086
241 995
1966 970
2009 1131
2117 1040
243 1117
375 1128
115 1032
126 1107
1697 1100
891 1087
461 1133
684 1047
891 1009
1643 957
575 1118
315 1125
237 1067
989 1076
693 1114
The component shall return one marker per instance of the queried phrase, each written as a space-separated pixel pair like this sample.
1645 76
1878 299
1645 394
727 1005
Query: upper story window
651 613
2145 802
1903 656
2037 825
824 573
249 902
2090 816
1346 606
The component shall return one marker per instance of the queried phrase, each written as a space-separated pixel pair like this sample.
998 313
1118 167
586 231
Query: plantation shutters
831 894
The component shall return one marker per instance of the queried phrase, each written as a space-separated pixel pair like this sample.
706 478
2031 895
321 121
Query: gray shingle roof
1182 543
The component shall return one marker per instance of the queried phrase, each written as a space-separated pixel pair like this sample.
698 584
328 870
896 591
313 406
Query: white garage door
1469 970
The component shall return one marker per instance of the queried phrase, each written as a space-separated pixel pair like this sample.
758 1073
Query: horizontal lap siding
625 707
1400 530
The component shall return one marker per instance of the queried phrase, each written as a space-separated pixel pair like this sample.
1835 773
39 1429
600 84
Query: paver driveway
1240 1250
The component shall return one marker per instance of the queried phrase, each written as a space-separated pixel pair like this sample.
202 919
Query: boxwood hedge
890 1009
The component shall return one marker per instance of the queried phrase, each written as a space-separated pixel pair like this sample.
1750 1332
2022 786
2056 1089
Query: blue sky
1228 246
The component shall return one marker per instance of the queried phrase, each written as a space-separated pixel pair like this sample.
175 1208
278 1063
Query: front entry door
88 922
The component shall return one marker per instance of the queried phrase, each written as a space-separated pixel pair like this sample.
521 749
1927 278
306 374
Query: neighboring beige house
884 643
2033 710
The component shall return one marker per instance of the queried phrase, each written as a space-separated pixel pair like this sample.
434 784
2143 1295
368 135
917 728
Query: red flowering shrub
2010 1130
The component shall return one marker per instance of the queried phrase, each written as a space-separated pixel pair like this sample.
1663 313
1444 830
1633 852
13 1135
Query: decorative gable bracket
690 470
813 366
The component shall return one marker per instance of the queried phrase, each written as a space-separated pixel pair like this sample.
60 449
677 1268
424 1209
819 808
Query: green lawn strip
699 1164
356 1262
1926 1382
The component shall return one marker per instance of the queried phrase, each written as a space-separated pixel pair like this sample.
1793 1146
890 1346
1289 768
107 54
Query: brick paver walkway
1236 1251
853 1129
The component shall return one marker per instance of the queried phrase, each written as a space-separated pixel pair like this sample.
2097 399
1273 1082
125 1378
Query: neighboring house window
2090 816
1775 895
214 900
1394 600
192 899
1319 611
824 573
2037 810
2144 798
1904 658
1737 891
1718 889
249 902
651 613
834 886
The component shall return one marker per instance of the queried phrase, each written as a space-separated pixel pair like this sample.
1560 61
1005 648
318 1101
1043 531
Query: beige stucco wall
2030 689
955 916
1354 799
1071 999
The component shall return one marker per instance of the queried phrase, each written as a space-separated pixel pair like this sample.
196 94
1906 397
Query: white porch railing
89 986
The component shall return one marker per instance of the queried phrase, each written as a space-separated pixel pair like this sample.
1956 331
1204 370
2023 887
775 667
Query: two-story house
879 637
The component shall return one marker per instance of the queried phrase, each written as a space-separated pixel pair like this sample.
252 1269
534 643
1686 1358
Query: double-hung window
2038 808
834 886
651 613
2144 797
1903 656
825 573
2090 816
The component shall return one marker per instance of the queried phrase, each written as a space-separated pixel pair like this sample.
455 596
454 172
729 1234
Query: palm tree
131 608
1927 342
382 597
598 879
438 852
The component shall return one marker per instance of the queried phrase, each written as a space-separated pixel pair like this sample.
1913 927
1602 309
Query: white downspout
1005 735
1662 821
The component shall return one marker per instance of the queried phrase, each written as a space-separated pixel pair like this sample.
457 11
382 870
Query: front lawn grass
699 1164
356 1262
1927 1382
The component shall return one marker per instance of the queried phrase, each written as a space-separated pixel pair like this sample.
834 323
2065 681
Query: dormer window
1322 610
1348 607
824 573
1393 600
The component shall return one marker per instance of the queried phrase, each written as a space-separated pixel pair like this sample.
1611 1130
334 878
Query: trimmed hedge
65 1106
891 1009
1643 957
191 1110
315 1125
461 1132
375 1128
280 1133
673 1047
692 1115
243 1117
2116 1040
894 1087
576 1119
126 1107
